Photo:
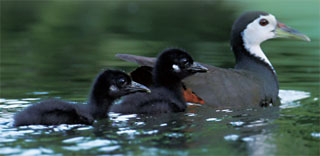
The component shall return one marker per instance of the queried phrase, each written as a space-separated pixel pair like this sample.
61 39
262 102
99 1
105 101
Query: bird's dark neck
99 104
163 77
176 89
173 84
261 67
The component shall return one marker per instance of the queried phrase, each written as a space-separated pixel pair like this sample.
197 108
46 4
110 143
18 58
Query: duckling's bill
197 67
137 87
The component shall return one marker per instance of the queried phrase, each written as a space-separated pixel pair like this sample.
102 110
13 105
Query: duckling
166 96
108 86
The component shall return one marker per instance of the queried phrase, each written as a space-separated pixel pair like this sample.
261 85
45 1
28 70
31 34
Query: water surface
54 49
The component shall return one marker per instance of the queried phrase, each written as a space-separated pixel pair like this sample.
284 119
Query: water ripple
231 137
213 119
73 140
236 123
88 145
316 135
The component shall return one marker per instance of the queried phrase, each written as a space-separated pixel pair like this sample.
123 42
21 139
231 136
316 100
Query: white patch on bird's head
261 29
113 88
255 33
176 68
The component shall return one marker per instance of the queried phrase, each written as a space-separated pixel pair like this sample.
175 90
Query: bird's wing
141 60
225 88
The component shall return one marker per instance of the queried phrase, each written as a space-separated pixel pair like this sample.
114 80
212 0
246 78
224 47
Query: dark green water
53 49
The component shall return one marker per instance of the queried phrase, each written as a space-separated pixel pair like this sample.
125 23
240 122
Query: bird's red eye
263 22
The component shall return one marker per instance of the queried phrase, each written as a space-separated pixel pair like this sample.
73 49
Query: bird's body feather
160 100
53 112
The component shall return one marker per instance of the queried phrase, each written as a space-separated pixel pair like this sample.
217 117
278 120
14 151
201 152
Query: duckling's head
175 64
114 84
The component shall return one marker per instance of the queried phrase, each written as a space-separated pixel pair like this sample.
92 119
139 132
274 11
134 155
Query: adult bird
253 81
108 86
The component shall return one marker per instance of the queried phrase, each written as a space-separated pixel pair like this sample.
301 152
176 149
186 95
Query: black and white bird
253 81
108 86
166 96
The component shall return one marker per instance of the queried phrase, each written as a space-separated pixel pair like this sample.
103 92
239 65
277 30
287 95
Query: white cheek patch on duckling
113 88
176 68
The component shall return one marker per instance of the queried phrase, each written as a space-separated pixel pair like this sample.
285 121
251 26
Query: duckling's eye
121 82
263 22
184 61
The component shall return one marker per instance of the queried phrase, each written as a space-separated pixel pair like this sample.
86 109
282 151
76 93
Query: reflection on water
289 98
200 130
53 49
